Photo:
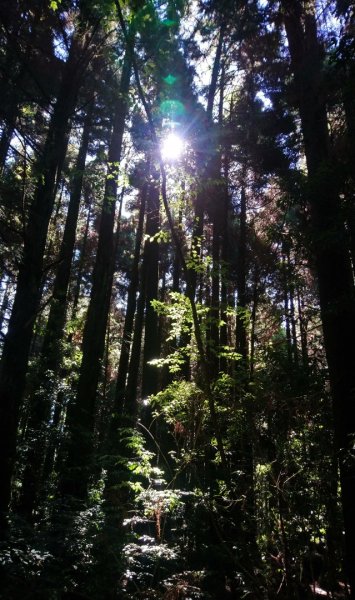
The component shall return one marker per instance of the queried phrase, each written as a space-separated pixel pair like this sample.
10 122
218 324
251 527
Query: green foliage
178 312
161 237
175 361
194 261
181 401
53 4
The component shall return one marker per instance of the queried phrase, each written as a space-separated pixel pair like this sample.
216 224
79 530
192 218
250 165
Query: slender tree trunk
131 309
130 404
176 264
151 258
196 244
214 195
241 333
5 141
53 338
116 497
225 246
5 302
303 331
80 267
253 326
215 73
57 423
287 557
293 324
214 316
81 413
11 97
18 339
54 439
286 311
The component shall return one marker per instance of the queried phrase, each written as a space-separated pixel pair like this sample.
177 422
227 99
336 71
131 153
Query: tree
81 416
26 303
329 246
51 352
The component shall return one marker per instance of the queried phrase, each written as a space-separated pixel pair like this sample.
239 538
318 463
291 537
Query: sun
172 147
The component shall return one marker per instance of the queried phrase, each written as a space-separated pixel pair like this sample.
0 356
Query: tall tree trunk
80 268
286 310
131 309
5 302
214 195
130 401
151 258
125 410
18 339
225 246
253 324
177 262
51 354
56 425
291 291
241 333
303 332
5 141
349 108
54 441
331 255
81 413
215 73
214 316
13 74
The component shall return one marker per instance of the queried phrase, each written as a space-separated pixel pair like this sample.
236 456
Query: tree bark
18 339
241 334
81 413
5 302
151 258
331 254
52 350
131 309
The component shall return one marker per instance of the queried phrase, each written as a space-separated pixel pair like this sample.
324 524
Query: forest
177 299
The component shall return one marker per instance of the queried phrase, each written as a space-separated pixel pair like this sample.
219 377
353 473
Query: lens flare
172 147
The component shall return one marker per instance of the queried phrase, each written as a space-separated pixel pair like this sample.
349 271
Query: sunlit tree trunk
5 302
151 321
131 309
131 393
286 310
5 141
291 292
